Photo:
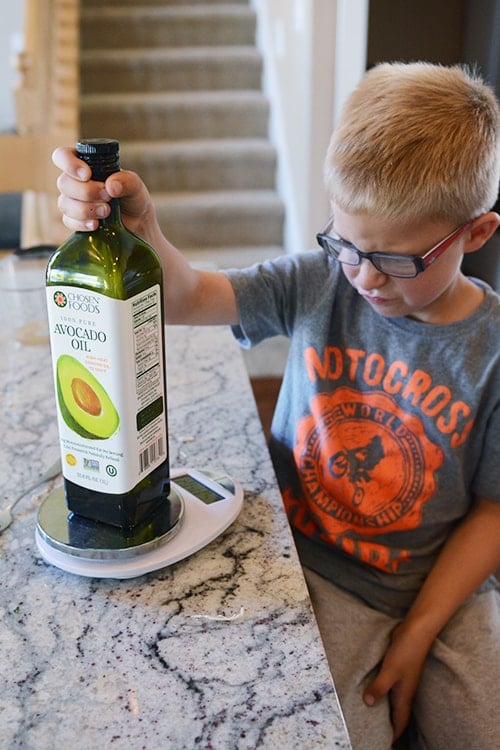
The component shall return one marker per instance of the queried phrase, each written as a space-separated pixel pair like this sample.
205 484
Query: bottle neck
114 214
102 156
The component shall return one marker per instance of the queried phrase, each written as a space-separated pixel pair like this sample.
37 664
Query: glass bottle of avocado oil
104 297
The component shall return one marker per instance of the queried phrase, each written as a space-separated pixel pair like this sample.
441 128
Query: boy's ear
481 230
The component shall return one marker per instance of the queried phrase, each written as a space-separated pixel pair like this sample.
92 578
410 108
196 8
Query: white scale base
204 505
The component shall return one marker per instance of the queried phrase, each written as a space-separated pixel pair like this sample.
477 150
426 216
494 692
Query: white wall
10 42
315 53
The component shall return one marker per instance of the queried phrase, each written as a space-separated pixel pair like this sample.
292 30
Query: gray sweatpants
456 706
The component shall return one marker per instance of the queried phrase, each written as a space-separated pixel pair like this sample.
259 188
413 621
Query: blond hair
414 141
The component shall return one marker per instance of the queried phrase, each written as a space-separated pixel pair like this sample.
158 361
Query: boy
385 436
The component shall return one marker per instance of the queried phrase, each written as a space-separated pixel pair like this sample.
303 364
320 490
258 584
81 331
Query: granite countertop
220 650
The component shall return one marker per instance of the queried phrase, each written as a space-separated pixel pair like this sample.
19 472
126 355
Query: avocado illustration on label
84 404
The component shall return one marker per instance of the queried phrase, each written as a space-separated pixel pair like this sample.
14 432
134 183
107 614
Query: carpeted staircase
179 84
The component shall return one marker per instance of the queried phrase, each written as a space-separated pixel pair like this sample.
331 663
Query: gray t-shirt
384 430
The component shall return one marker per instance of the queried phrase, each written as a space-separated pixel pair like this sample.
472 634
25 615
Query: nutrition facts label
146 321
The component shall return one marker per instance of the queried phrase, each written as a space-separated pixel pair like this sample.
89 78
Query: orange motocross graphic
366 469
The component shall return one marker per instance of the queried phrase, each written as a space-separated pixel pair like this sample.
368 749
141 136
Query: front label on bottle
109 374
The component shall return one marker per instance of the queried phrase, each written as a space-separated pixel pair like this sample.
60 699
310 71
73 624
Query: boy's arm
190 296
470 555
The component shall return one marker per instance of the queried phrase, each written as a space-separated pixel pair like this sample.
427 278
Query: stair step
199 165
230 257
221 219
174 116
188 69
128 3
179 84
166 26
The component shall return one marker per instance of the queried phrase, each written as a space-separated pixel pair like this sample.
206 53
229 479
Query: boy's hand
399 676
469 556
83 201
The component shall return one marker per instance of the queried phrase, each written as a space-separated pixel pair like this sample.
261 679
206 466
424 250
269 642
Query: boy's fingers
79 215
79 226
377 690
66 160
114 184
400 703
400 712
81 191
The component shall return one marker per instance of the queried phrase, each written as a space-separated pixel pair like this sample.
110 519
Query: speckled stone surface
220 650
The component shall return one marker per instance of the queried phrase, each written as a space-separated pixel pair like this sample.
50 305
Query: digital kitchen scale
202 505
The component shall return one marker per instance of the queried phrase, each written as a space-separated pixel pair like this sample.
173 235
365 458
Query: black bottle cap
101 154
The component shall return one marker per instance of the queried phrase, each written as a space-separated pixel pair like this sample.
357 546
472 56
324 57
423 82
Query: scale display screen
198 489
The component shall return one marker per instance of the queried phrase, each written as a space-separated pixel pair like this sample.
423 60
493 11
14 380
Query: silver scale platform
202 505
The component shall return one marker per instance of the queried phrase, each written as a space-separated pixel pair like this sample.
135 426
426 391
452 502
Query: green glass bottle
104 297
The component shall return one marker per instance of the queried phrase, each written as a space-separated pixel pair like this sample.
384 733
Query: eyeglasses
402 266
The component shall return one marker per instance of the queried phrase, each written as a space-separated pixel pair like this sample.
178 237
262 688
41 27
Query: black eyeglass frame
419 262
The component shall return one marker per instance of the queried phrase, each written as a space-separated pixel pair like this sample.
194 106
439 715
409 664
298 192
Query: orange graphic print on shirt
367 468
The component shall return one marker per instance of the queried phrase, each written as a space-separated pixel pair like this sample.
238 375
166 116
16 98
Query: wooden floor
266 392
